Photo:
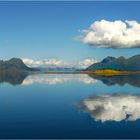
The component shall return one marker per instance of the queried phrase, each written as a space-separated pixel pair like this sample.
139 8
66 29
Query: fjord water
70 106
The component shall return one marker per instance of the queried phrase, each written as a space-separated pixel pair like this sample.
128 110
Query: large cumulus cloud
112 34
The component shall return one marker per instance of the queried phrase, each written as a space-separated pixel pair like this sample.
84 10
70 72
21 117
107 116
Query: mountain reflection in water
50 79
115 107
133 79
16 78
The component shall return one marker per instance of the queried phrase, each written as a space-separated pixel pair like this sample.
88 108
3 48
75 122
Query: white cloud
112 34
55 62
46 62
86 63
113 107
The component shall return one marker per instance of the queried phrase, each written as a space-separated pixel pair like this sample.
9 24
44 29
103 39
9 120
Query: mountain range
120 63
15 65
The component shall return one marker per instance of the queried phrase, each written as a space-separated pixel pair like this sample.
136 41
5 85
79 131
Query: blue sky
41 30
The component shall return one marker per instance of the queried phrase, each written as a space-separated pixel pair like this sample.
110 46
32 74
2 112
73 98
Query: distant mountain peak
108 59
121 58
16 60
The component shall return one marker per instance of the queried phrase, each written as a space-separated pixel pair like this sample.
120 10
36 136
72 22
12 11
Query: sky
62 30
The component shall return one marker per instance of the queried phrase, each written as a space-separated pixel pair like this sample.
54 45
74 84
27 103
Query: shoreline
106 72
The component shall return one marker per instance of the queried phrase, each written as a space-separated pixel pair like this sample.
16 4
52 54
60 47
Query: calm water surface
70 106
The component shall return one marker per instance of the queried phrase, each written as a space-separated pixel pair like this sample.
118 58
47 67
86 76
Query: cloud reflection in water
112 107
53 79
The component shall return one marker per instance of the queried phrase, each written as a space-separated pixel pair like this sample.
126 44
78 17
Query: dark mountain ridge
120 63
15 64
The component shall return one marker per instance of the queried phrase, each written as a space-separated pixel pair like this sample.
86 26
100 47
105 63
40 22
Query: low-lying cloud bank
113 107
112 34
58 63
87 62
46 62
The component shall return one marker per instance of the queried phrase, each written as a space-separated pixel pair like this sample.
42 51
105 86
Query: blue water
69 106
